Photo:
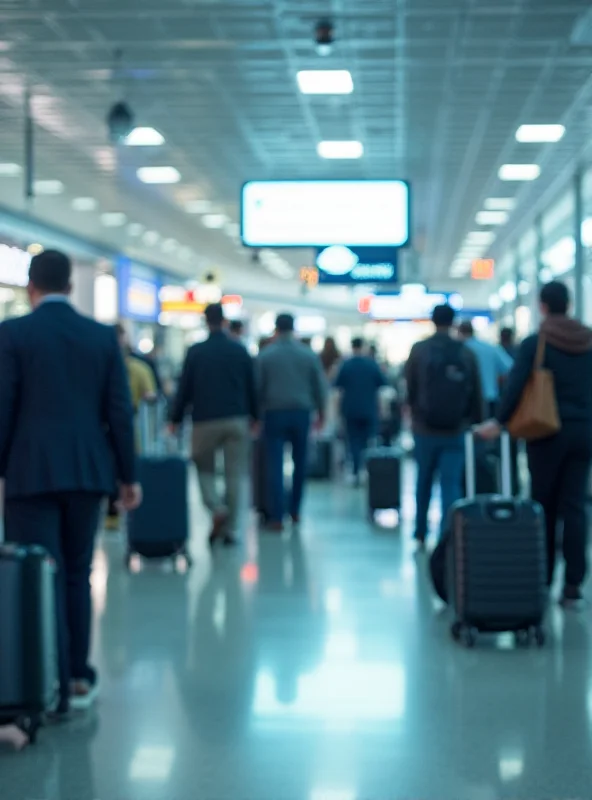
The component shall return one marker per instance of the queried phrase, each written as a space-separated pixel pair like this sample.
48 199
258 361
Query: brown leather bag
537 416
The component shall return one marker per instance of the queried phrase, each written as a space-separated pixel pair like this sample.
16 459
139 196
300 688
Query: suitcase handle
470 466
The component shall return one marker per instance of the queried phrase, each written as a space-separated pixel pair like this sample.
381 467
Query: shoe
274 527
83 694
572 598
218 522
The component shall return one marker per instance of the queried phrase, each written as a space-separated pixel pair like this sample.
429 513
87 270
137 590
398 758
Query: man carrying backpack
444 394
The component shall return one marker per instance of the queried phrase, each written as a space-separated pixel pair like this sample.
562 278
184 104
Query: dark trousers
281 428
65 524
560 469
359 433
437 454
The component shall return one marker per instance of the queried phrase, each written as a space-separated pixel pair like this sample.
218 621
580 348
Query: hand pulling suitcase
29 680
383 465
496 560
159 528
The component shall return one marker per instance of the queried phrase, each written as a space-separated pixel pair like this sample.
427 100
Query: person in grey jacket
291 388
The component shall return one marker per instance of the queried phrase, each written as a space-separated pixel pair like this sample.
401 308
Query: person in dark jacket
560 464
66 438
218 387
444 394
359 379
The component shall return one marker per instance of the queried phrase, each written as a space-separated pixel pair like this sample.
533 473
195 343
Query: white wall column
83 288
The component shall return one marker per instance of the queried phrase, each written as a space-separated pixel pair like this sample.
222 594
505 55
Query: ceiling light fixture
519 172
324 37
144 137
499 204
492 218
159 175
48 187
135 229
169 245
113 219
325 81
345 149
540 134
84 204
198 206
214 221
9 170
151 238
480 237
120 122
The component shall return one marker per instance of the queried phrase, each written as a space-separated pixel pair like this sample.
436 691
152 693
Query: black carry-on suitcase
159 528
321 453
29 681
383 465
496 560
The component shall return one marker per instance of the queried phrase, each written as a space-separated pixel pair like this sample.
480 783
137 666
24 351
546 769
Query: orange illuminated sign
309 276
482 269
364 304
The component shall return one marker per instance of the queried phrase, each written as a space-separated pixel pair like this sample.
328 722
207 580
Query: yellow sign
309 276
482 269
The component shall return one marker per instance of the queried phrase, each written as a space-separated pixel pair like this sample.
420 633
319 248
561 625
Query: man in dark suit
66 438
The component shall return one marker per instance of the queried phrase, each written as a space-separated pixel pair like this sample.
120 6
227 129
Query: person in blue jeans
291 389
444 394
359 379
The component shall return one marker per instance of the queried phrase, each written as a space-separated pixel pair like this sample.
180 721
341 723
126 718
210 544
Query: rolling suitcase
496 560
384 479
29 680
320 458
159 528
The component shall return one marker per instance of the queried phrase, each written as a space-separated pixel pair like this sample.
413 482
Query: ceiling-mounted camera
120 122
324 37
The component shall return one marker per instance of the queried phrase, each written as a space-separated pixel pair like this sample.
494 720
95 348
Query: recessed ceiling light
214 221
519 172
144 137
540 133
198 206
169 245
9 170
48 187
151 238
135 229
492 218
347 149
159 175
113 219
325 81
84 204
499 204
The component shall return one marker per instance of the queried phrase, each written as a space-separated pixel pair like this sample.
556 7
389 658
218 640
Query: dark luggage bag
29 682
496 560
320 458
384 479
159 528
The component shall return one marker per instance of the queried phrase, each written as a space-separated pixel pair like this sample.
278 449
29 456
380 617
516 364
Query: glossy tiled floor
316 667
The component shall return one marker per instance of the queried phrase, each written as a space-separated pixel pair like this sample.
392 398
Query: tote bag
537 416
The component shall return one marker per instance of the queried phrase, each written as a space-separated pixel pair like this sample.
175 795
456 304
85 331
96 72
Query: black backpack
445 385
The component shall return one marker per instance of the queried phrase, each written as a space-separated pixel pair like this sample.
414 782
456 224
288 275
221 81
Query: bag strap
540 352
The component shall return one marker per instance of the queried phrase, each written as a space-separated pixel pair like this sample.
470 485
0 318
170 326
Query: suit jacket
66 420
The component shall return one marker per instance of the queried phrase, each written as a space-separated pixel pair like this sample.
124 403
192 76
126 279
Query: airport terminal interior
352 163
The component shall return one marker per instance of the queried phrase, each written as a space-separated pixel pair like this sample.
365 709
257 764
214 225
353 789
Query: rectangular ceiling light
84 204
349 149
159 175
144 137
9 170
480 237
519 172
325 81
48 187
198 206
540 133
499 204
492 218
214 221
113 219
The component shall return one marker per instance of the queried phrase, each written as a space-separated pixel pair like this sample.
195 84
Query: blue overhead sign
138 291
345 265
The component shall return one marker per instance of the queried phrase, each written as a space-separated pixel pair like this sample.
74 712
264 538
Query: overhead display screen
325 213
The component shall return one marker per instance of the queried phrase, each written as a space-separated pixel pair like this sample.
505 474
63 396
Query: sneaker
83 694
572 598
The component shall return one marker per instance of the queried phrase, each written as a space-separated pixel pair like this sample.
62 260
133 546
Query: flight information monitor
324 213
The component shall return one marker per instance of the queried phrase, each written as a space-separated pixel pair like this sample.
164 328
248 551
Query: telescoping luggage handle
153 437
470 468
